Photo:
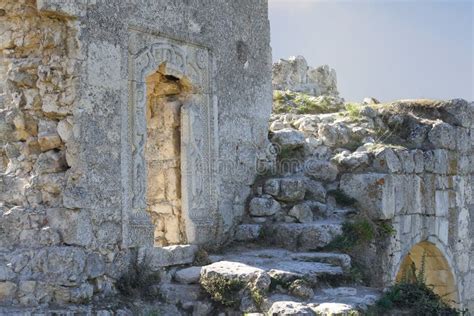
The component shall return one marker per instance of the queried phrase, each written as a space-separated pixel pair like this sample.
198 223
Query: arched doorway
426 257
165 96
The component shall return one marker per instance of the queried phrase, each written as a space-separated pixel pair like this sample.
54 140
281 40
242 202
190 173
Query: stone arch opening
437 271
165 95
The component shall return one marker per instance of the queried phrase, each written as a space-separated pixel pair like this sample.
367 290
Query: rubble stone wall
68 90
408 164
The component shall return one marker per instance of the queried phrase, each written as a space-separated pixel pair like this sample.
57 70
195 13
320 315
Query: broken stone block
291 189
188 275
321 170
301 289
158 257
302 212
288 139
315 191
272 187
48 138
443 136
387 161
248 232
49 162
7 292
264 206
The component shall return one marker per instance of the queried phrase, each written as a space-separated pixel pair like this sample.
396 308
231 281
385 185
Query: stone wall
409 165
73 125
294 74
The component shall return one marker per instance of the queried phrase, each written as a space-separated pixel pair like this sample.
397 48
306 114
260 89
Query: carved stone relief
187 62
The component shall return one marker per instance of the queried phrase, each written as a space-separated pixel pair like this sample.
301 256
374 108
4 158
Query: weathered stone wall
427 192
294 74
407 164
71 132
50 251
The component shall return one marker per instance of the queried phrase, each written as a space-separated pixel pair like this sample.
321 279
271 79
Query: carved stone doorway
165 96
169 183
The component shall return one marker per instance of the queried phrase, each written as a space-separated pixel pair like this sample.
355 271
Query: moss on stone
224 291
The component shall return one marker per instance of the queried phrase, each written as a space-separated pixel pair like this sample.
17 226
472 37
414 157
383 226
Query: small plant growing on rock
342 198
413 295
354 233
138 281
224 291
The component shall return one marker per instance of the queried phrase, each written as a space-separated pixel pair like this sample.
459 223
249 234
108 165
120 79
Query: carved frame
199 137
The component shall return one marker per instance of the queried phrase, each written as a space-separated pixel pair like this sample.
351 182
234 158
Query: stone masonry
94 93
136 152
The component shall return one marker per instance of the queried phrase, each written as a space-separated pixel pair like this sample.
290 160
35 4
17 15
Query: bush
417 298
358 232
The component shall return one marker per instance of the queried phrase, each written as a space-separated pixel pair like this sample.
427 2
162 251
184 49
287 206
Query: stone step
326 301
308 236
241 263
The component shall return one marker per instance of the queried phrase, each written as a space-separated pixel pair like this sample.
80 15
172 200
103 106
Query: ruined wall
69 144
424 189
406 166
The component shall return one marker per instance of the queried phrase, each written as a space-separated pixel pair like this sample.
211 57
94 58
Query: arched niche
437 272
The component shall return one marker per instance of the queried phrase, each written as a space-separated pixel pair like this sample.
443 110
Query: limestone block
315 190
387 161
248 232
291 189
288 139
264 206
180 294
26 292
232 272
383 196
301 289
188 275
351 161
289 308
50 161
302 212
419 161
63 7
65 130
443 136
82 294
74 226
321 170
334 134
272 187
95 266
158 257
172 229
48 138
442 203
407 160
7 292
436 161
65 264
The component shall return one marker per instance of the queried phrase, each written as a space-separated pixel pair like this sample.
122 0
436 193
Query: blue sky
385 49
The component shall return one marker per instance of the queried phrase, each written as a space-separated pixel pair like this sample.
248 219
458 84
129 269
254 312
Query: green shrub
342 198
415 297
358 232
353 110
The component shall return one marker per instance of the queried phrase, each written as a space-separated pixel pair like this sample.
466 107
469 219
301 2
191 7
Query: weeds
342 198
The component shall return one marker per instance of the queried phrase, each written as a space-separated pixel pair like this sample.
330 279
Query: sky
380 48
